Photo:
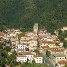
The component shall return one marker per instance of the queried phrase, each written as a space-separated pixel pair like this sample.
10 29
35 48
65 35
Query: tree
3 65
33 61
2 45
37 51
24 13
7 48
27 49
27 60
48 53
65 44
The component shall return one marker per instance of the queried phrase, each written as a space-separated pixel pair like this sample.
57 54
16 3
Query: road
48 62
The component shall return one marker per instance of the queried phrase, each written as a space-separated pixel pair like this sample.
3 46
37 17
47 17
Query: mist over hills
24 13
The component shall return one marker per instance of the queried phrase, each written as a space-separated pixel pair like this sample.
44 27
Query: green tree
27 49
7 48
33 61
65 44
37 51
48 53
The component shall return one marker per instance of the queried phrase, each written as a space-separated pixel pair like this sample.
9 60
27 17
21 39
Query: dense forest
24 13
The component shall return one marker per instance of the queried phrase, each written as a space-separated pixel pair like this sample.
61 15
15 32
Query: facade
14 42
30 57
38 59
58 57
33 45
21 58
57 50
50 44
35 28
21 47
65 52
62 63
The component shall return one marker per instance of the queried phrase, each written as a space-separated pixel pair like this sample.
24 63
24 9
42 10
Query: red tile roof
45 47
39 55
27 53
21 55
63 62
56 50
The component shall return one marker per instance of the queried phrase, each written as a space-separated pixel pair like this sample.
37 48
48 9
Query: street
48 62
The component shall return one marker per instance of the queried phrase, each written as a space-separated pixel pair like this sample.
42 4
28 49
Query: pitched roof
59 55
21 55
63 62
44 47
27 53
39 55
56 50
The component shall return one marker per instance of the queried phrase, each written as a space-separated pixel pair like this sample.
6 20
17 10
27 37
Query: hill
24 13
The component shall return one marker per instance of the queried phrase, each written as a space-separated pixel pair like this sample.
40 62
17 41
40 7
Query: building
38 58
35 28
33 45
64 28
57 50
21 47
14 42
21 58
62 63
65 52
57 58
30 57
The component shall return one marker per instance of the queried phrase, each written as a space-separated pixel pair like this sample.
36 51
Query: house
32 45
21 47
50 44
24 56
24 39
30 57
57 50
65 52
44 48
21 58
14 42
58 57
38 58
62 63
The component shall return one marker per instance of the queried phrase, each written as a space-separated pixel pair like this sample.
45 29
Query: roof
21 55
27 53
63 62
49 42
1 34
56 50
39 55
59 55
45 47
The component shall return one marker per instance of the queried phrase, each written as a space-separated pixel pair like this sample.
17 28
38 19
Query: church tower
35 28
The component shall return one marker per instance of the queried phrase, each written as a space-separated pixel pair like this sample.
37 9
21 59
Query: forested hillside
24 13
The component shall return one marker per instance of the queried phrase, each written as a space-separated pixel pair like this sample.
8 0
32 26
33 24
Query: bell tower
35 28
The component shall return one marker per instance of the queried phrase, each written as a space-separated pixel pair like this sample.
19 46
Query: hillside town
38 45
